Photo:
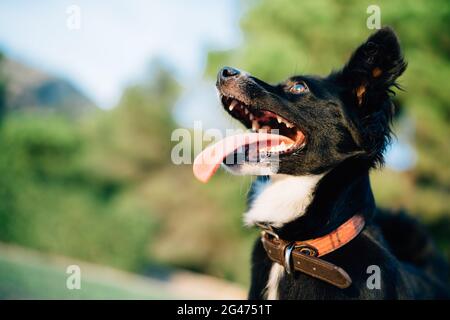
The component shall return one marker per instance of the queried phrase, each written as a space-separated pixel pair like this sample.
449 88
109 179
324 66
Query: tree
287 37
2 91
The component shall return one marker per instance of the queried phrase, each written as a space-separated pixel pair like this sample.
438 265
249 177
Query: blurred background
91 91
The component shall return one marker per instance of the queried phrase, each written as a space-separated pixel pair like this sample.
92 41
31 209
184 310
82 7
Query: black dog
341 126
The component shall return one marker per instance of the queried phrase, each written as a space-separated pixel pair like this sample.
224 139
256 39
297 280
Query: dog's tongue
209 160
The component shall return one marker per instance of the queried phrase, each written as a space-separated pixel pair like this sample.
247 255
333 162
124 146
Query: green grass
25 278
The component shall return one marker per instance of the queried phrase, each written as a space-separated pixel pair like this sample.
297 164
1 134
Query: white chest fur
282 200
275 275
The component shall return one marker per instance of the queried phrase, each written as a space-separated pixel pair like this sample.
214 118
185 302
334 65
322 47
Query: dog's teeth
264 129
251 117
245 110
289 125
282 147
274 149
255 125
279 119
232 105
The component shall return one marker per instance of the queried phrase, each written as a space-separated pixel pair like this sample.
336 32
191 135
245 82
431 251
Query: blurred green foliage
2 91
70 187
104 189
50 201
287 37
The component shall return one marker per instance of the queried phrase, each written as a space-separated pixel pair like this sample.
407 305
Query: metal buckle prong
267 229
287 257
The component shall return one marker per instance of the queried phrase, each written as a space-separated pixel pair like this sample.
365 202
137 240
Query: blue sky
117 39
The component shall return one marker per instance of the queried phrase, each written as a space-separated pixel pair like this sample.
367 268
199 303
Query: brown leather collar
303 255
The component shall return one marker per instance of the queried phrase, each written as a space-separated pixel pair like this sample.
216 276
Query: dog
322 234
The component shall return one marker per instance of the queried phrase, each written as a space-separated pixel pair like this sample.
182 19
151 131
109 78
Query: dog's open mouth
271 136
264 121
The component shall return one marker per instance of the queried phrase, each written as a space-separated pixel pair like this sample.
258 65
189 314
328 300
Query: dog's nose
227 73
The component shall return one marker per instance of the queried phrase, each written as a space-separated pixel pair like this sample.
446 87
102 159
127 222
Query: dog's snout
227 73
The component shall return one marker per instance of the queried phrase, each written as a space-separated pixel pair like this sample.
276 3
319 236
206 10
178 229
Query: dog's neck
311 206
281 199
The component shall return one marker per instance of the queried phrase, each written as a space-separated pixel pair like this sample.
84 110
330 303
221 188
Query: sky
115 41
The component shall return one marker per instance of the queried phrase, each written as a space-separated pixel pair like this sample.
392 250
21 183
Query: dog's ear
373 68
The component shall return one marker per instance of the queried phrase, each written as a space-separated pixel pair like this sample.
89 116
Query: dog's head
345 114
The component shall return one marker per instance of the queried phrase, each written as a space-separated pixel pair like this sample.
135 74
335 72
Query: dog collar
304 256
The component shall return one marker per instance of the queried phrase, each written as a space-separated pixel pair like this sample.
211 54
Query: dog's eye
298 88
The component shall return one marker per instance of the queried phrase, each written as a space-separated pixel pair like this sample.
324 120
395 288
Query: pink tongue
209 160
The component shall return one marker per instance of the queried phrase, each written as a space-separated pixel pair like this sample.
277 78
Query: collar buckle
304 249
287 257
267 229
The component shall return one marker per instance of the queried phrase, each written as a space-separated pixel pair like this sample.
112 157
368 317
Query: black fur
346 117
